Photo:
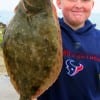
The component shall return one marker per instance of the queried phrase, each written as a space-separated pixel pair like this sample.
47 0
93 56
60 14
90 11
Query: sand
7 92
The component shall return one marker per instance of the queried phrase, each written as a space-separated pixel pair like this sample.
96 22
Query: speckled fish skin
32 48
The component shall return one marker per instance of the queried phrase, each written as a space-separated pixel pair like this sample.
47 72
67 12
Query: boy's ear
58 2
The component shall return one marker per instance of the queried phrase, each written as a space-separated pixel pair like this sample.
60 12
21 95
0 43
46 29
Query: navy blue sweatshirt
80 75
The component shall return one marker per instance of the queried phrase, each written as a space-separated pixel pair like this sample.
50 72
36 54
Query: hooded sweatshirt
80 75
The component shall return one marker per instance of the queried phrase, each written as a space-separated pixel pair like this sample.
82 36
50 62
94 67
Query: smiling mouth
77 13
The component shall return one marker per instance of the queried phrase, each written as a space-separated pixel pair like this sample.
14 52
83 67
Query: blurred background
7 92
7 11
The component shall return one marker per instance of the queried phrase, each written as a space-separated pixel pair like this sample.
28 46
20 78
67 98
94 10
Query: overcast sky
9 5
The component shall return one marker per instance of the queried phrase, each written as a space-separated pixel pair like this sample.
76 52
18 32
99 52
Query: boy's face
75 12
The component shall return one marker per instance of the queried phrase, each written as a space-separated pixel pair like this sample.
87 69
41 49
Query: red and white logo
73 67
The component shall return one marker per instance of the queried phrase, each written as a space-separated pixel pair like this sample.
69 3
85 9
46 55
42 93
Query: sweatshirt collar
86 28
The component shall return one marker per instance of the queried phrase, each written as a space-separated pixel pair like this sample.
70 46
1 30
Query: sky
9 5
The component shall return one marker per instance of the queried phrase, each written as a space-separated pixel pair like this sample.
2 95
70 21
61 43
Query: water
95 18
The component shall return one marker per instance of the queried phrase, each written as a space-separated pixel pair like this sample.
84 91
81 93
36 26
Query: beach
7 91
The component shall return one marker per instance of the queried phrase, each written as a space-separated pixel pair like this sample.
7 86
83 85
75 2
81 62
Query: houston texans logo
73 67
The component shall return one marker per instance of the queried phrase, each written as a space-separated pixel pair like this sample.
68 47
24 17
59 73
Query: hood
87 28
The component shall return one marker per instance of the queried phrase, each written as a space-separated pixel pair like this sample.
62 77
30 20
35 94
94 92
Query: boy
79 78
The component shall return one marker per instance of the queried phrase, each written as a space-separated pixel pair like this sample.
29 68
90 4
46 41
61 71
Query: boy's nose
79 3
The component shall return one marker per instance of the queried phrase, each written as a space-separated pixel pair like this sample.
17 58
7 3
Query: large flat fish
32 48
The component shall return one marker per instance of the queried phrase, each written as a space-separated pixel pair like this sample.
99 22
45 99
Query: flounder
32 48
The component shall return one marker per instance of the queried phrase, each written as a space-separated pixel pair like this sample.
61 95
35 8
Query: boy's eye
80 0
86 0
72 0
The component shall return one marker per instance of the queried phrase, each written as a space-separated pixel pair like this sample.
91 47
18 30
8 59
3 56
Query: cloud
8 5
